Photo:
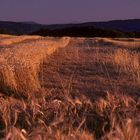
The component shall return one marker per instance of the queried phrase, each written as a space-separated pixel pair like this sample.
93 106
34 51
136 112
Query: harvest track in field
69 88
92 69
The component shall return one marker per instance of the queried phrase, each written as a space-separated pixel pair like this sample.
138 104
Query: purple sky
68 11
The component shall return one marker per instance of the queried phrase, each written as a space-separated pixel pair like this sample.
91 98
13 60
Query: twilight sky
68 11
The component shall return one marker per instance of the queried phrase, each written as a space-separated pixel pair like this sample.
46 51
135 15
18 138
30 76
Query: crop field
69 88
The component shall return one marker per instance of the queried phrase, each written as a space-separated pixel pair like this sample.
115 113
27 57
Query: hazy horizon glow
73 11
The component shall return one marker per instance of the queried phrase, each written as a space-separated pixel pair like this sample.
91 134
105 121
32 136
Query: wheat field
69 88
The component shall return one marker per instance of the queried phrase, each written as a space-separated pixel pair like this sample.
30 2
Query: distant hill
19 27
119 26
123 25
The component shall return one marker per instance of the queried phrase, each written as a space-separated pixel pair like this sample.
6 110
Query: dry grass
115 117
9 40
123 43
19 64
129 62
84 91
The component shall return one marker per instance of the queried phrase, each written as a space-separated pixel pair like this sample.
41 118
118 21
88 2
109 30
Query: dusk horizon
76 22
59 12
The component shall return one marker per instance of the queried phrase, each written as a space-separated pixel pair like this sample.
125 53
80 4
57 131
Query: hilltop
120 26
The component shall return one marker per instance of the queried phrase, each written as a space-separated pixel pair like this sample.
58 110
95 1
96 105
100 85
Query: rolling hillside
132 25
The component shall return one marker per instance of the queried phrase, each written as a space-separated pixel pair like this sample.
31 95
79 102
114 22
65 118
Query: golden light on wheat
69 88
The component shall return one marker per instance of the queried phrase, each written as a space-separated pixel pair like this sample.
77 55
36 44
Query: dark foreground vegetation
86 32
